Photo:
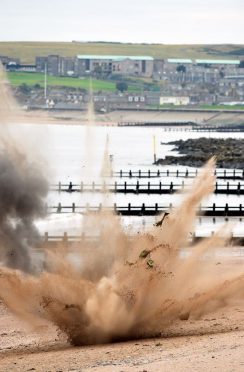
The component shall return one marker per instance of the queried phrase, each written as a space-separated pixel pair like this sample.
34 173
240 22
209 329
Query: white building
177 101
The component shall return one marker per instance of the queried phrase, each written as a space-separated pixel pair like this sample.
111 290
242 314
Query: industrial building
95 65
175 70
120 65
51 63
217 62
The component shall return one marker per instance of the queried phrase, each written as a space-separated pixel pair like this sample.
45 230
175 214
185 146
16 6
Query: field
27 51
18 78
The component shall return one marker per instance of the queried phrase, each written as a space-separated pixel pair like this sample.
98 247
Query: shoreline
113 118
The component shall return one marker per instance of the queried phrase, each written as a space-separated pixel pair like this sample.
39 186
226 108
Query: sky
142 21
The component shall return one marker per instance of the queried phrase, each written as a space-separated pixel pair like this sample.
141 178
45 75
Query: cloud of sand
10 110
127 286
123 287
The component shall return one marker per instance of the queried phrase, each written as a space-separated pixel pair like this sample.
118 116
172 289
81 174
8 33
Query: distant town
138 81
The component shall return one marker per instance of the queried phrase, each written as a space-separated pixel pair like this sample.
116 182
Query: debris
150 263
160 222
144 253
184 316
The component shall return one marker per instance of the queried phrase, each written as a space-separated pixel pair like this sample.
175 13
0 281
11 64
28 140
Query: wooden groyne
144 188
218 128
185 126
147 210
47 239
206 128
235 174
173 124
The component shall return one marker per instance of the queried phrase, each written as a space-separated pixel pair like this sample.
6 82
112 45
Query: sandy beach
214 343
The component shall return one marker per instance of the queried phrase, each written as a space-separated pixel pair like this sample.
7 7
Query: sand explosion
127 286
124 287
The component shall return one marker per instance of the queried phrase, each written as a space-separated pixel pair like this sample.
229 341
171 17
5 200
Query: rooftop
234 77
179 60
218 61
116 58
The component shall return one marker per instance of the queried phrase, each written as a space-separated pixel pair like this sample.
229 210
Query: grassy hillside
18 78
27 51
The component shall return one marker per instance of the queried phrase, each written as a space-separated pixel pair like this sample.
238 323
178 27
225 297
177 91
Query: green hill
27 51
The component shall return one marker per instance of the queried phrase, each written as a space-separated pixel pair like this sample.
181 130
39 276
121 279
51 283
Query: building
171 64
120 65
176 101
41 62
12 66
198 71
53 65
68 66
5 60
56 65
218 62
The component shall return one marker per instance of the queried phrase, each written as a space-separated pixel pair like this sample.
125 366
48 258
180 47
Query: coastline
134 116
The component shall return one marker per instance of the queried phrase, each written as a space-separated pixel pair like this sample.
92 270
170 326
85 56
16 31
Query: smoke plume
22 193
23 189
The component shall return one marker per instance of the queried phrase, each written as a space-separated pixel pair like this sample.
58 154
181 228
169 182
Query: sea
75 153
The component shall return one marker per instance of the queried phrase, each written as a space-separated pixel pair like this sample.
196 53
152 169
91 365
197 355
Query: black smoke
23 190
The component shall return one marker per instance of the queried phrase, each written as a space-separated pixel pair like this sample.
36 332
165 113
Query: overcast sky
158 21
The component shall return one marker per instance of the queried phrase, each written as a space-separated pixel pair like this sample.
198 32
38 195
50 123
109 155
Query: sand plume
127 286
9 108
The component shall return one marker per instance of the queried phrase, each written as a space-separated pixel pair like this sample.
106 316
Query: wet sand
114 117
215 342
